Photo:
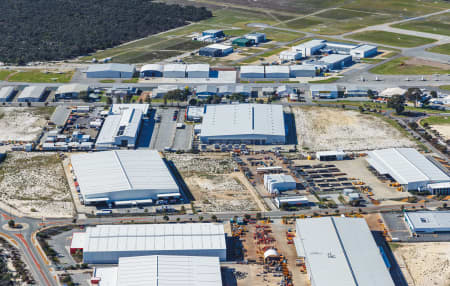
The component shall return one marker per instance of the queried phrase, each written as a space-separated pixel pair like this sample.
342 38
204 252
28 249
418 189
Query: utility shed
407 166
33 93
69 91
428 221
197 71
330 155
152 70
252 72
122 175
161 270
340 251
111 70
105 244
7 93
243 123
277 72
276 183
336 61
303 71
175 70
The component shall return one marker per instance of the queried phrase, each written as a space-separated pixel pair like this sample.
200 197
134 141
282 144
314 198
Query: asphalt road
165 130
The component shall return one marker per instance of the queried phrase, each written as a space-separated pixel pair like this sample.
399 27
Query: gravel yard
22 123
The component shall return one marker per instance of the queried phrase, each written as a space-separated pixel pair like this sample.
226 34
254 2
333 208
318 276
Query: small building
336 61
277 71
330 155
243 42
175 71
428 221
216 50
77 243
161 90
256 37
152 70
291 201
33 93
71 91
364 51
276 183
356 91
195 113
291 55
285 91
324 91
205 91
252 72
439 189
340 48
111 70
7 93
303 71
197 71
310 48
214 33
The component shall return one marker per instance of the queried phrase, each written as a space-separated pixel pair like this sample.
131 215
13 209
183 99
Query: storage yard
333 129
22 123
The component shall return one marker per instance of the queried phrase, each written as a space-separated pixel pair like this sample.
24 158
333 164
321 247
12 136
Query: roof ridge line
122 169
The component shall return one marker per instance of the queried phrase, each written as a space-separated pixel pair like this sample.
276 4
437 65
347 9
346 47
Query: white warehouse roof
124 124
162 270
6 91
428 221
174 67
111 67
277 69
72 88
119 108
334 58
252 69
152 67
197 67
340 251
309 44
219 47
34 91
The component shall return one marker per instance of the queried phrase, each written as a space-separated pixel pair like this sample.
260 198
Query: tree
166 218
370 94
413 94
11 223
433 94
258 216
192 101
397 102
83 95
361 109
178 219
109 100
200 218
214 217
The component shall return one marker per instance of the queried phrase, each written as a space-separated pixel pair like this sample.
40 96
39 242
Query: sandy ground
427 263
320 129
35 185
444 129
423 62
22 123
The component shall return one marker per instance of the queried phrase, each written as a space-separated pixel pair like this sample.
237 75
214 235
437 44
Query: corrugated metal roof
6 91
152 67
364 48
341 251
197 67
71 88
128 122
429 220
277 69
302 67
122 170
174 67
310 44
323 87
60 115
280 178
111 67
334 58
119 108
34 91
252 69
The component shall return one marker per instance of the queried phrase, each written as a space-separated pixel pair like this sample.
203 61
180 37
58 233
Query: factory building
256 37
412 170
111 70
33 93
324 91
310 48
215 50
252 72
197 71
7 93
277 71
428 221
152 70
214 33
71 91
175 71
277 183
330 155
341 251
106 244
244 90
205 91
364 51
243 42
154 270
339 48
291 55
243 123
303 71
123 176
336 61
161 90
291 201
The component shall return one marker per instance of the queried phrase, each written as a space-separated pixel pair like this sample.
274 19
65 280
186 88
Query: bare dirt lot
422 62
35 185
213 182
443 129
22 123
321 128
425 263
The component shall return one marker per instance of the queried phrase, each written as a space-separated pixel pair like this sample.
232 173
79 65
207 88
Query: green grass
264 81
38 76
394 245
107 81
272 52
439 24
133 80
328 80
441 49
445 87
5 73
342 14
390 55
371 61
303 23
399 66
373 105
440 120
392 39
281 36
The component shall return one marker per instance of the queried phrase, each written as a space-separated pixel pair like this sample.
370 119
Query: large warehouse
197 71
33 93
157 270
406 166
243 123
7 93
110 71
105 244
340 251
152 70
123 175
252 72
428 221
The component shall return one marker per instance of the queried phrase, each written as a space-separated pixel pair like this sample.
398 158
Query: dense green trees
43 30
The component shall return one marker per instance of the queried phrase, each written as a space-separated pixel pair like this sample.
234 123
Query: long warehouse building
428 221
408 167
123 176
243 123
105 244
341 251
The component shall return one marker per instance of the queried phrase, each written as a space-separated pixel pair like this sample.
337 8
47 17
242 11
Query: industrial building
71 91
7 93
336 61
175 70
105 244
285 91
439 188
197 71
195 113
290 55
256 37
428 221
243 42
243 123
154 270
252 72
123 176
214 33
161 90
357 91
341 251
330 155
119 108
324 91
33 93
412 170
276 183
205 91
291 201
302 71
339 48
277 71
111 70
152 70
215 50
60 116
364 51
310 48
243 89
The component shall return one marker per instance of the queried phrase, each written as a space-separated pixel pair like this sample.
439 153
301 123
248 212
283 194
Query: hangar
336 61
364 51
256 37
310 48
105 244
175 70
33 93
123 175
7 93
215 50
152 70
412 170
303 71
71 91
277 71
324 91
197 71
243 123
252 72
111 70
428 221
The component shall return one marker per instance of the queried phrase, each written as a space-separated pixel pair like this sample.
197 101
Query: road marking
9 239
7 217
